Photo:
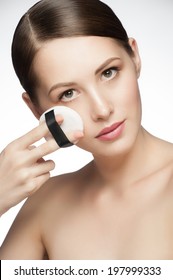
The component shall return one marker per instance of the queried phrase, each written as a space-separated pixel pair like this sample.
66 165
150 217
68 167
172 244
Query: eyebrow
72 84
59 85
107 62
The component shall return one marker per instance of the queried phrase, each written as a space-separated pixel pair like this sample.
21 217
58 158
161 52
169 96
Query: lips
108 130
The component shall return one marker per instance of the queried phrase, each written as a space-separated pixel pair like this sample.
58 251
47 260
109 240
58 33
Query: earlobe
31 105
136 56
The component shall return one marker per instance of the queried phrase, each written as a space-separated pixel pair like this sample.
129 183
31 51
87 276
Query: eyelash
116 69
63 94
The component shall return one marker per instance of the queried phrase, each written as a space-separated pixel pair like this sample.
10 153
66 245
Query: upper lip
109 128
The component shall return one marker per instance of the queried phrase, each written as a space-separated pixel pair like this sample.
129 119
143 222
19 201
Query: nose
100 106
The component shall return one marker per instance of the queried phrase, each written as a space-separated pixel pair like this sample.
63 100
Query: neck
124 169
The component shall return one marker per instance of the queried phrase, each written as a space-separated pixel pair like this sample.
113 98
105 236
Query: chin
111 149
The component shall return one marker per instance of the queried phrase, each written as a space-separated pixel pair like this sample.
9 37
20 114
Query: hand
22 167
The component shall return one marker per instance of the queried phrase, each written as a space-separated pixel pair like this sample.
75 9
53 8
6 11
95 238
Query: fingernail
59 118
77 135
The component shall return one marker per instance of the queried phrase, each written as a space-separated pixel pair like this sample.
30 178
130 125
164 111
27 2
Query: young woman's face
97 78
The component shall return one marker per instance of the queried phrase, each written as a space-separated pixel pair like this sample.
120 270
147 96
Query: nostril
101 111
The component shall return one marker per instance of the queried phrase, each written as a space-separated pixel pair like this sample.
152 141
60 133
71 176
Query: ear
31 105
135 56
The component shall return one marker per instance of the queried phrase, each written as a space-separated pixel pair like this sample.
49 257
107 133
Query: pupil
108 73
69 93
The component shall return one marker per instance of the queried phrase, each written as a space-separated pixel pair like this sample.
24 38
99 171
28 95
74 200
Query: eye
68 95
109 74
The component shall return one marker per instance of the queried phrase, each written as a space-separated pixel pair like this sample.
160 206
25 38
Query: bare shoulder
159 173
62 191
46 207
165 157
162 152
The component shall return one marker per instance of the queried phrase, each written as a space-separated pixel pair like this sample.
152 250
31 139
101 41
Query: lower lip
113 134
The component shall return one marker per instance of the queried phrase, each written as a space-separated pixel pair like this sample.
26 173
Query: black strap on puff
56 131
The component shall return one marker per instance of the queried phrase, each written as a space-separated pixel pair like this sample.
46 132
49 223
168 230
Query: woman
77 54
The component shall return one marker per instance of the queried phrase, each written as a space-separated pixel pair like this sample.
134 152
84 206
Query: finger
51 146
36 183
42 167
31 147
36 134
59 118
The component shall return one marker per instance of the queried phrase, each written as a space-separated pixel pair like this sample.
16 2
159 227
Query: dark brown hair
50 19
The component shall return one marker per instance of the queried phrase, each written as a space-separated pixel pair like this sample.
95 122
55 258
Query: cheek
44 101
133 98
130 96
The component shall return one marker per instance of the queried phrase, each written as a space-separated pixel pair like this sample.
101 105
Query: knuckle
33 185
30 189
22 176
13 146
10 153
16 163
9 150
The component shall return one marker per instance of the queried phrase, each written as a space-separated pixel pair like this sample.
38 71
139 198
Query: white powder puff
72 120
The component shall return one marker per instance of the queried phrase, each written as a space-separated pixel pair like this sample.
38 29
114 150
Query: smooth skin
23 169
120 205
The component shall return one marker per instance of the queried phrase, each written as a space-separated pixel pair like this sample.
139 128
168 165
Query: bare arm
24 240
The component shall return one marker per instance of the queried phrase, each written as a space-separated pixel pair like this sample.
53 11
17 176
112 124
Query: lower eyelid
113 74
70 99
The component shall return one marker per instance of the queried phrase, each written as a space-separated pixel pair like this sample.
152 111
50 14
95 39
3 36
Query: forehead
73 59
77 50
